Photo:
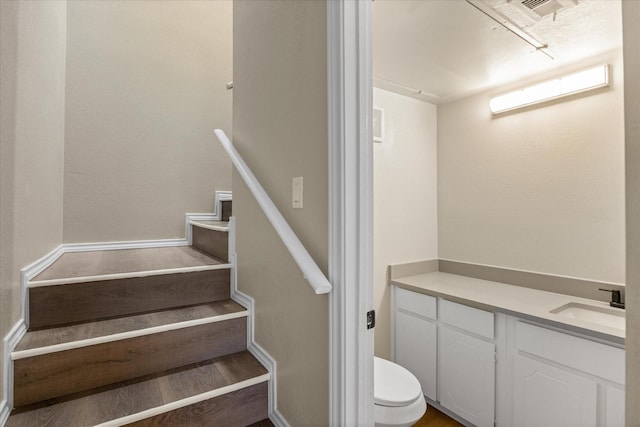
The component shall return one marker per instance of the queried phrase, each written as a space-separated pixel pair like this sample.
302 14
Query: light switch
297 192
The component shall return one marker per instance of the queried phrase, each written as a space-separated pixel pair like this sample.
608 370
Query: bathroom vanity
496 354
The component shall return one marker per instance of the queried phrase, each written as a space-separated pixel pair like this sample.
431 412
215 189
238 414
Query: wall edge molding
4 412
252 346
9 342
218 198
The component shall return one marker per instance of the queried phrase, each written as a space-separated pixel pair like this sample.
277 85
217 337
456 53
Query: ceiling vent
538 9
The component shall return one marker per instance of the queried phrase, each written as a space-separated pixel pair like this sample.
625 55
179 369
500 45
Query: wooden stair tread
103 328
131 397
214 225
98 263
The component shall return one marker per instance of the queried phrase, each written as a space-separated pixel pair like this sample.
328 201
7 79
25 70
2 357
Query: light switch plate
297 192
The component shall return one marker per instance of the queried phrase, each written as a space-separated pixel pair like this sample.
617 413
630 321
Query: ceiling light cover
570 84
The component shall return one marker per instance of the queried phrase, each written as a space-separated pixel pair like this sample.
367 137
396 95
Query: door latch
371 319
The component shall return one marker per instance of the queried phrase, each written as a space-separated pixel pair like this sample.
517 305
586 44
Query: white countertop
509 299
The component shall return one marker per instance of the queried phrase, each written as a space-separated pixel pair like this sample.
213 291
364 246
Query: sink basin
604 316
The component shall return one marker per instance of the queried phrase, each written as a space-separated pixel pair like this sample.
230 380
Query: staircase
140 337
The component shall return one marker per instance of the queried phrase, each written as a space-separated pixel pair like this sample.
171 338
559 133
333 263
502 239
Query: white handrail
307 265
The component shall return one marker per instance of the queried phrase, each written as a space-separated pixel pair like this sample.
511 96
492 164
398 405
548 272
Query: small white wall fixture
570 84
378 124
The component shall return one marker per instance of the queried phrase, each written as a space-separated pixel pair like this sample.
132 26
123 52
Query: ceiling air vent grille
532 4
537 9
542 7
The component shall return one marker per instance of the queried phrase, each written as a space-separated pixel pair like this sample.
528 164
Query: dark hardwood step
99 263
211 237
56 305
227 209
237 408
40 374
47 340
226 391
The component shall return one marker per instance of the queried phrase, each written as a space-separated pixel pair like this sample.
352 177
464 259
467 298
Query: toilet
398 396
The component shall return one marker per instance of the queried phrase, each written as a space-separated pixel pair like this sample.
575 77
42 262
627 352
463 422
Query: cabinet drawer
578 353
468 318
413 302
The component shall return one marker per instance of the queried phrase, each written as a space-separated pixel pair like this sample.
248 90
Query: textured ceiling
441 50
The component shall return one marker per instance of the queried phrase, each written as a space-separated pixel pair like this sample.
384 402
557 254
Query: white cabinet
416 349
467 376
565 380
615 407
546 376
415 337
547 396
449 348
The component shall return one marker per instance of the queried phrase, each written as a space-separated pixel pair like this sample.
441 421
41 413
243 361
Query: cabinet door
467 376
416 349
615 407
548 396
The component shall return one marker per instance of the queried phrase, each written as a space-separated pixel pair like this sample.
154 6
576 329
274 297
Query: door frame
350 91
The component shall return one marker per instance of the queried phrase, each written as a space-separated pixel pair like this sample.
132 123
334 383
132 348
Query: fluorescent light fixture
570 84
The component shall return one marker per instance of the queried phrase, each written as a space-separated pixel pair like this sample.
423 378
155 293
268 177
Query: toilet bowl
398 396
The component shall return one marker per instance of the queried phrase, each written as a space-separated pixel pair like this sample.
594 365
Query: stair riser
81 302
57 374
227 208
213 242
238 408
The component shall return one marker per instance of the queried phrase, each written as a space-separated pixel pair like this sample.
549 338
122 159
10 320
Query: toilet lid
393 384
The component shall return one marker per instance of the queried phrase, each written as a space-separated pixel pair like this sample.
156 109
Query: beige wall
145 89
32 149
631 16
280 128
539 189
405 197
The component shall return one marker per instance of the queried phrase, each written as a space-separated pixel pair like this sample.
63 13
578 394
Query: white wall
405 196
145 89
280 128
32 47
540 189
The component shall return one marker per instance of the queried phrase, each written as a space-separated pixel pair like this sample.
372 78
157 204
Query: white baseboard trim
8 344
112 246
267 361
4 412
190 217
254 348
28 273
218 198
263 357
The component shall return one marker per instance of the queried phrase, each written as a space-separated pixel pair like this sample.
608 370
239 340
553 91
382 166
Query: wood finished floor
97 263
139 395
83 331
263 423
431 418
435 418
212 223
